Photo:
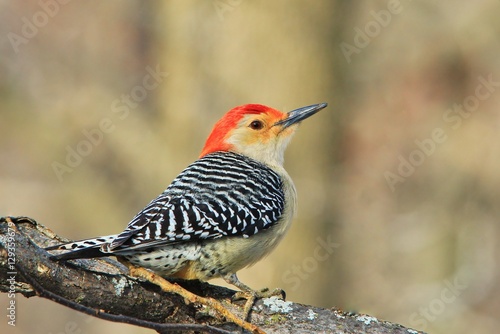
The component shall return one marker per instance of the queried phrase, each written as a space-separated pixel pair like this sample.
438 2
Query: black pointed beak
298 115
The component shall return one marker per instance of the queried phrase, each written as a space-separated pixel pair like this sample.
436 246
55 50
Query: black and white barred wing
221 194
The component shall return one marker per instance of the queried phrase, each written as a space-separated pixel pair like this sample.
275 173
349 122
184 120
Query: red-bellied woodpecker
224 212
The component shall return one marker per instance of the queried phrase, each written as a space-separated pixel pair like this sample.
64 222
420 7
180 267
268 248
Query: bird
222 213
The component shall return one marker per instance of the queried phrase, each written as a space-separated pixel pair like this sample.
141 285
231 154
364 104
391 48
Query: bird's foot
251 295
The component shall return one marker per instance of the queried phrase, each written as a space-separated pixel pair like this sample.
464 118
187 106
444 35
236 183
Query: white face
257 137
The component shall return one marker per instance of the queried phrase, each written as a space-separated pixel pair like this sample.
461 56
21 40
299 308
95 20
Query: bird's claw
264 293
251 297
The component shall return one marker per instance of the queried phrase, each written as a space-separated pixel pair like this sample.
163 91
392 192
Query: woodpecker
224 212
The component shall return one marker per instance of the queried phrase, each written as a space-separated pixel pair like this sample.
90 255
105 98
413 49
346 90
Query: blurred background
102 104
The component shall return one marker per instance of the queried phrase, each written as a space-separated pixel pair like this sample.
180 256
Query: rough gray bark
104 286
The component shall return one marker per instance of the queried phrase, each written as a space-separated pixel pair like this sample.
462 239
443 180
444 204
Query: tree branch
102 288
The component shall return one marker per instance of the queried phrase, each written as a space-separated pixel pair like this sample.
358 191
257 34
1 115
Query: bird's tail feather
82 249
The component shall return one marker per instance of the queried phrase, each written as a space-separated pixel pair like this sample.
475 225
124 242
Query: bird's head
259 132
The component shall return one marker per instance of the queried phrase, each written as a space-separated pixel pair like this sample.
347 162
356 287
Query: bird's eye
256 125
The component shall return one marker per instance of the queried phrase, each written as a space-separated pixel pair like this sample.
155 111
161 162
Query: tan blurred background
398 179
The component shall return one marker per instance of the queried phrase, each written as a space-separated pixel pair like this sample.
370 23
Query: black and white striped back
221 194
